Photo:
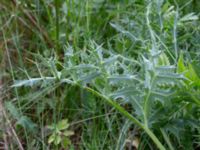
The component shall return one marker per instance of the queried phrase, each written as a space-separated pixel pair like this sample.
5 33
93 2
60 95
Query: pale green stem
129 116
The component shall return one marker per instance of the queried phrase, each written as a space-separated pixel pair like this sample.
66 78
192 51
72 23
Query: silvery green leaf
13 110
26 123
69 51
31 81
123 31
89 77
125 92
189 17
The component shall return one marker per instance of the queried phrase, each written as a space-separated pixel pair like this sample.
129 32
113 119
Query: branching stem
129 116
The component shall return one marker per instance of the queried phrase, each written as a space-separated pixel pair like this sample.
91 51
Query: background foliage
100 74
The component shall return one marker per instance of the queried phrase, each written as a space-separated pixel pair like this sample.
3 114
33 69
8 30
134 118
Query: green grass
120 72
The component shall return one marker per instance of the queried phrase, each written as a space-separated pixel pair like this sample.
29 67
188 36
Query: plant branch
129 116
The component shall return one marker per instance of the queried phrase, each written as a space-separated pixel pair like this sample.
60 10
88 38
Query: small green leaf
51 138
63 124
66 142
57 140
163 60
180 66
51 127
191 74
188 71
68 133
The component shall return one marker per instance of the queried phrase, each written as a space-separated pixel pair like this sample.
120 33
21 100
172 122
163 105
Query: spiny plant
146 84
145 71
